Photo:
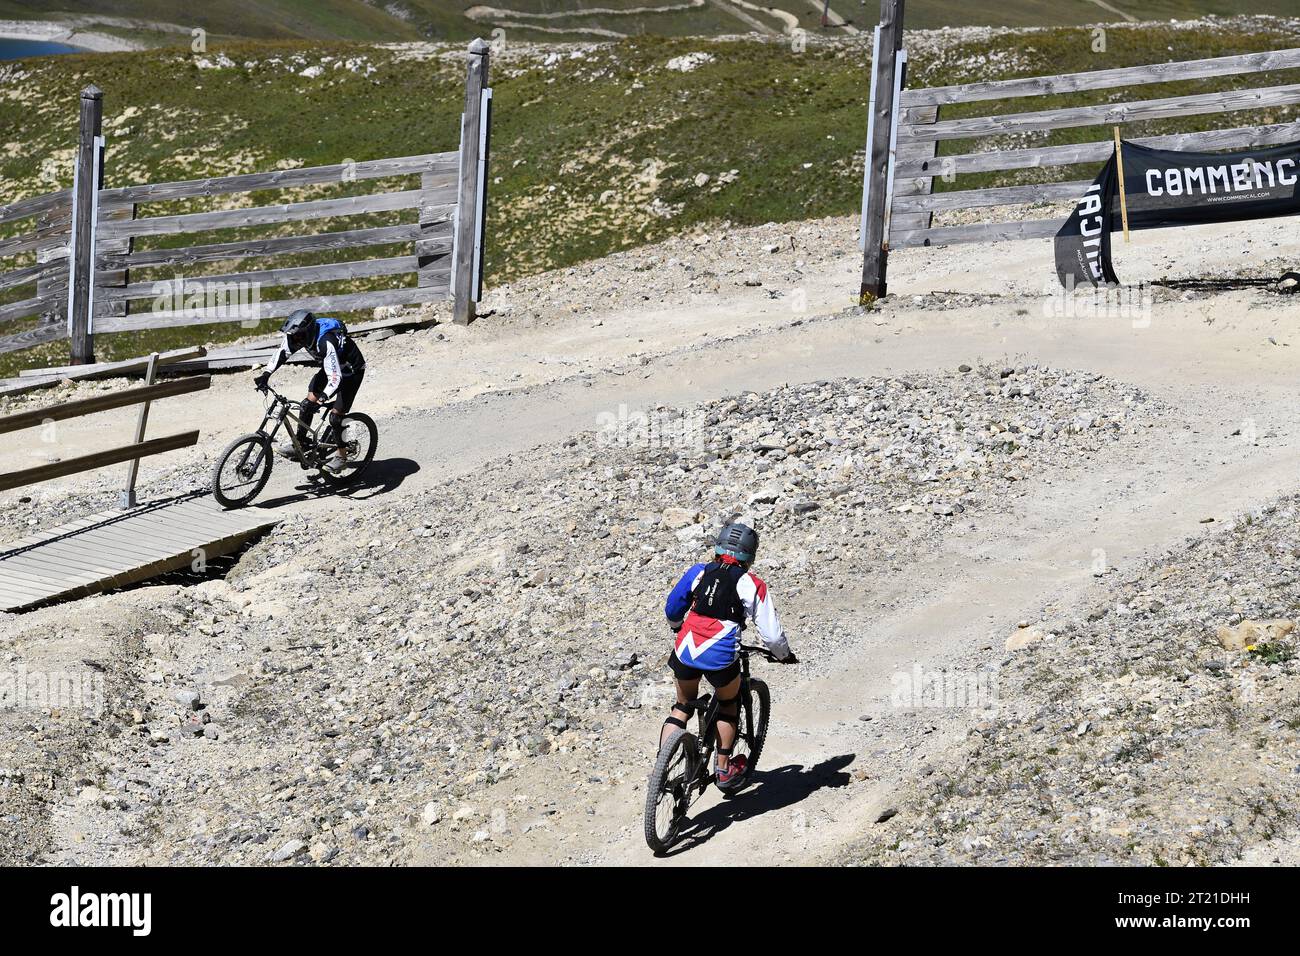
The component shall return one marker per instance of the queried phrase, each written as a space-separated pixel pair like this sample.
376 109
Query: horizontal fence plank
347 302
25 307
289 275
254 248
138 364
1107 114
438 163
1102 79
18 386
99 459
976 232
263 215
270 342
11 280
46 332
997 196
43 235
35 206
435 209
1237 137
100 403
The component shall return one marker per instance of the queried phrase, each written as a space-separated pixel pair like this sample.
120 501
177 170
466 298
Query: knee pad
680 721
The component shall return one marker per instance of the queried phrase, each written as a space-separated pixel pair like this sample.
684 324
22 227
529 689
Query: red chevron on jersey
706 642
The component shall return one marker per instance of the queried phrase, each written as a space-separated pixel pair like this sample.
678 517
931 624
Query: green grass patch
595 148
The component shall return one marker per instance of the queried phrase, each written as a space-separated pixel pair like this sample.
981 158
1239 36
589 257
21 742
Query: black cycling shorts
716 678
347 392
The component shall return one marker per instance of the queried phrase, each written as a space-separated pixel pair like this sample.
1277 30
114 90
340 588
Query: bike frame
710 706
281 410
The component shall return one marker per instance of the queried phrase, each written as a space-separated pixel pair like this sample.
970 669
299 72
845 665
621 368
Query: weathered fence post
875 242
85 198
469 205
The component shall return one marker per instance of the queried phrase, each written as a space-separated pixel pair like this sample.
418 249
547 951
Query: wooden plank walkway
115 548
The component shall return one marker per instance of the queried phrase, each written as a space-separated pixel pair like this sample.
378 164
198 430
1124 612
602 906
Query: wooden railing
104 226
904 158
142 395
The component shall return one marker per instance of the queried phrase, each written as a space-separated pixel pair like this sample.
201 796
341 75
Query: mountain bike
243 469
684 767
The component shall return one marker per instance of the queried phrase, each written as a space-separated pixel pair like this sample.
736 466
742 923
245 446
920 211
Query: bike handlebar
756 649
268 390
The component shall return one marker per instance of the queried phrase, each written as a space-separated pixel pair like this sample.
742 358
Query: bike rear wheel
360 437
242 470
668 792
751 734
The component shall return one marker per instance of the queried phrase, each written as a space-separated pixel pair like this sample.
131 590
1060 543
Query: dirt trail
829 772
968 596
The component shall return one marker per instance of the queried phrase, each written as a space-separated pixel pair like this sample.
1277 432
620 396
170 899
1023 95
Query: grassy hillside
595 148
592 19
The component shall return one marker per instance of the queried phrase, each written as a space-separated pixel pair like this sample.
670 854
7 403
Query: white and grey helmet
299 329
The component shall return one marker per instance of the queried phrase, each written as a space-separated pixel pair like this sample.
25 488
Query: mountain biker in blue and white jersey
708 608
342 367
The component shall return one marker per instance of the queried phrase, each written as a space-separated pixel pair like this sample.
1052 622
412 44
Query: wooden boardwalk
116 548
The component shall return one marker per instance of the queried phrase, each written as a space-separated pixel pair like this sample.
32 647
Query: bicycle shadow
772 790
383 475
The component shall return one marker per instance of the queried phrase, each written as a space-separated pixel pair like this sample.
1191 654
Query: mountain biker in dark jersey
342 368
708 609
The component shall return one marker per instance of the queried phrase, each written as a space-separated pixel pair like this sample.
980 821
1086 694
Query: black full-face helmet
740 541
299 329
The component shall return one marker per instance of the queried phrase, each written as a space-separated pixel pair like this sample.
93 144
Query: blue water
19 49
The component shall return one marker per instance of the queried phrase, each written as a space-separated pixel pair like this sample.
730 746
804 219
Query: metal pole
1123 194
133 466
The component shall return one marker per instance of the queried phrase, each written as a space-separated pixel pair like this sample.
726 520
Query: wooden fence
899 200
36 259
86 275
142 395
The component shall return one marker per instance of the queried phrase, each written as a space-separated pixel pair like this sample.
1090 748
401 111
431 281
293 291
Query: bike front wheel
751 731
360 438
668 792
242 471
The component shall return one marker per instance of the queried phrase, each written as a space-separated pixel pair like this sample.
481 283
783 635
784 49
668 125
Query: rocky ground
361 684
1157 727
781 259
436 673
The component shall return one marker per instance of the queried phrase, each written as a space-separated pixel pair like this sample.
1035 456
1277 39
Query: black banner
341 908
1167 188
1083 243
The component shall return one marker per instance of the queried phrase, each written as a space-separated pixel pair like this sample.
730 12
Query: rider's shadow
771 790
383 475
380 478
